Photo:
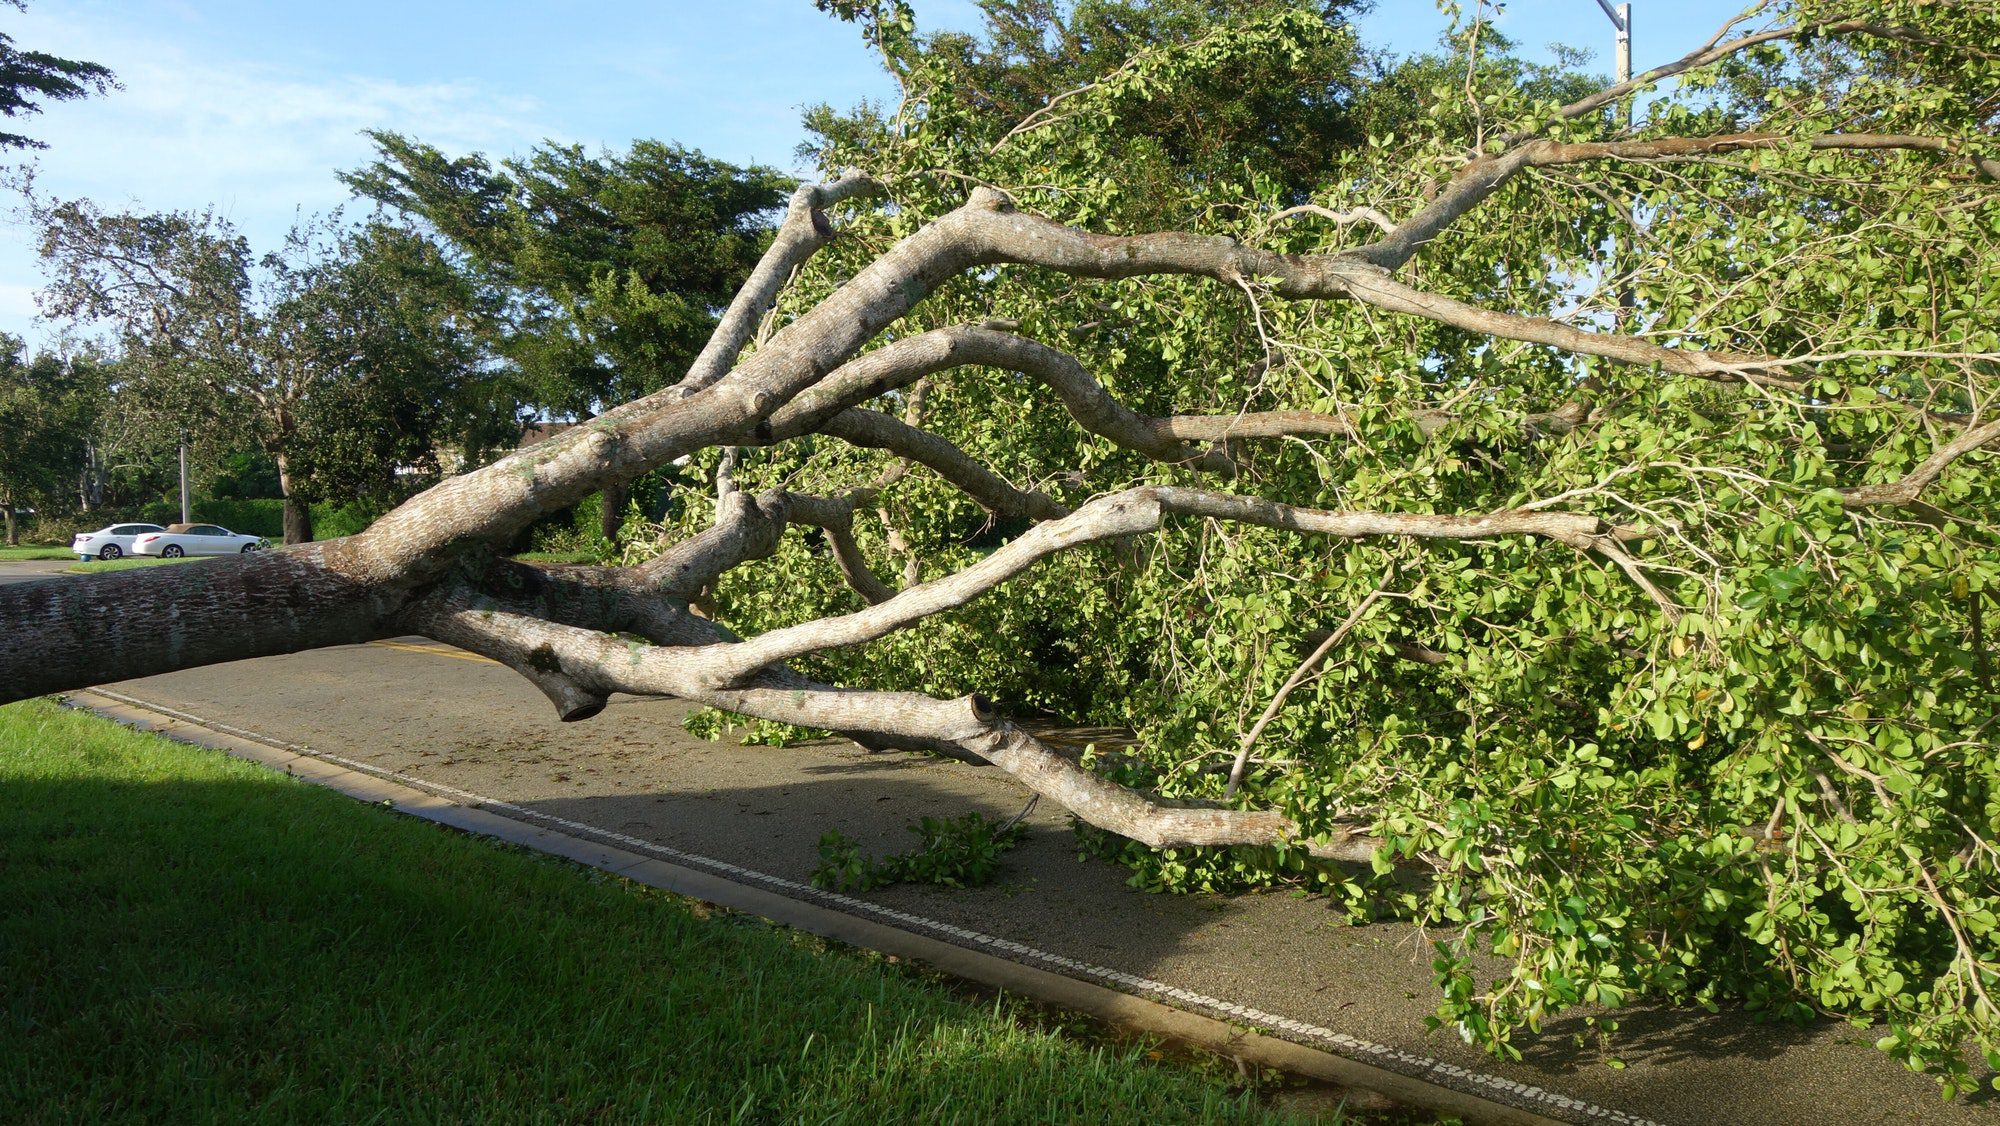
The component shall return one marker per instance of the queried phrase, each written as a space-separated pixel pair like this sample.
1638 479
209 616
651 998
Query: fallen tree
1646 475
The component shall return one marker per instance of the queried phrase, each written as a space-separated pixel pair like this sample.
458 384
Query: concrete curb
475 814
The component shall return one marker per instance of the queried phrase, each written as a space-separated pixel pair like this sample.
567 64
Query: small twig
1298 677
1016 819
1981 665
1046 115
1353 215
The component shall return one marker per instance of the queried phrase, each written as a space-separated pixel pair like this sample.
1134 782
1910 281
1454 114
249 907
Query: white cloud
191 127
194 127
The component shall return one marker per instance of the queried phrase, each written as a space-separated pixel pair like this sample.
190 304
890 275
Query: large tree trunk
13 530
612 519
90 481
104 628
298 513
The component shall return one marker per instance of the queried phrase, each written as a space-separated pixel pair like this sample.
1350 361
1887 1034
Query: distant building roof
533 432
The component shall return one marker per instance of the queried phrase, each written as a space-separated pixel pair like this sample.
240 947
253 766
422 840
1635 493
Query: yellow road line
435 651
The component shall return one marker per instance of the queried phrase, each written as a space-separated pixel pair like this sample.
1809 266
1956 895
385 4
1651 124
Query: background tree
1643 648
402 394
342 357
28 78
47 409
605 273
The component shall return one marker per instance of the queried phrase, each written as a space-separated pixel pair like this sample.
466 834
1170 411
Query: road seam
1506 1093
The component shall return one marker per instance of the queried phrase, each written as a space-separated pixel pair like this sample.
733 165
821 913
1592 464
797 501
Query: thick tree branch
497 501
835 516
1131 512
903 362
745 528
605 664
1385 292
1906 490
993 492
1009 235
804 231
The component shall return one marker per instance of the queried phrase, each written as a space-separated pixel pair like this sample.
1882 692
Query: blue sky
253 106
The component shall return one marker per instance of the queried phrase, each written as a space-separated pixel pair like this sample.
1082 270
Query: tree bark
78 632
298 513
13 529
90 480
612 518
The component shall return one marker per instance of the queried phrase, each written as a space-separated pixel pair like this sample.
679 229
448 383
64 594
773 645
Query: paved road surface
34 569
430 712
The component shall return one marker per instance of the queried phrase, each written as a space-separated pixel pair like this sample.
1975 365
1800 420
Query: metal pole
1621 20
185 518
1624 42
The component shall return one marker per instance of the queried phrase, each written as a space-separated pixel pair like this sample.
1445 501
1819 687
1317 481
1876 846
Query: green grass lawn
31 551
189 938
130 561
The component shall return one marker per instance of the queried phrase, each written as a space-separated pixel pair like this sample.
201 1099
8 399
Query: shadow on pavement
1664 1036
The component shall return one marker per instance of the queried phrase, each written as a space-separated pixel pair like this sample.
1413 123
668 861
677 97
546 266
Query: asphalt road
428 712
35 569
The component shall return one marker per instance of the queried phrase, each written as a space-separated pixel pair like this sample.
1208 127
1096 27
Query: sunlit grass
186 937
28 552
129 562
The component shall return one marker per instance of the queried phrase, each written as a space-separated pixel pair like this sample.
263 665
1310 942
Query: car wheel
172 551
110 551
248 548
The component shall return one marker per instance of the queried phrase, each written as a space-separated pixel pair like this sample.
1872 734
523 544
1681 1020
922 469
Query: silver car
195 539
111 542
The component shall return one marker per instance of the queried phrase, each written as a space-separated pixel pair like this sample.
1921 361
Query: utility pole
1621 20
185 518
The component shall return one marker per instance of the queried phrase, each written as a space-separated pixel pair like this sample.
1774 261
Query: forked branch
1127 513
605 664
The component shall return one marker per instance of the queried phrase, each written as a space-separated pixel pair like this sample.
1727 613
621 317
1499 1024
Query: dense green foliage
47 408
184 937
606 270
1780 787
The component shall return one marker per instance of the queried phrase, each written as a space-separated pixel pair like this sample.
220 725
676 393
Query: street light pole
1621 19
184 478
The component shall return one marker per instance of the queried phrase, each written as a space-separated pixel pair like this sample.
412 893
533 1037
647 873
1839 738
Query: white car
195 539
109 543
